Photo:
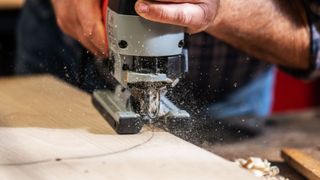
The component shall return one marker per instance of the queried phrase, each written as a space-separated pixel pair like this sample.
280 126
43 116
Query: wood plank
303 163
49 130
11 4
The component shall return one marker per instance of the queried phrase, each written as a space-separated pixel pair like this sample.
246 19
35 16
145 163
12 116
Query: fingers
99 40
90 18
83 23
65 21
193 14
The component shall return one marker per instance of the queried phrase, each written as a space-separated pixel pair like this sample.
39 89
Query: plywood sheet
49 130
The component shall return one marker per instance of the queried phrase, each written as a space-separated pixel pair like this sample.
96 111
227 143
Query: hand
195 15
82 20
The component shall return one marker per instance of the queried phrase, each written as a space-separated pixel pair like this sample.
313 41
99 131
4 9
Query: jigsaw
145 60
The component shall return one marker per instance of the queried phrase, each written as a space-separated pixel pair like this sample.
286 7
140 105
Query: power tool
145 59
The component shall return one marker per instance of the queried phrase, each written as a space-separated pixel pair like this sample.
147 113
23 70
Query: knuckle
206 18
161 14
206 13
85 24
183 18
88 30
64 21
62 25
60 22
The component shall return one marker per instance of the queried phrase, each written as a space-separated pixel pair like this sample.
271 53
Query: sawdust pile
261 168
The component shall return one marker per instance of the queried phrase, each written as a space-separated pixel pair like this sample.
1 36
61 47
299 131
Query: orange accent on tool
104 18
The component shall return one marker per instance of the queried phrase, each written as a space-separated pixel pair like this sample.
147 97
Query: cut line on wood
84 157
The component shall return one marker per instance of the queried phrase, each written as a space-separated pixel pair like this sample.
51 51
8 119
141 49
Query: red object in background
293 94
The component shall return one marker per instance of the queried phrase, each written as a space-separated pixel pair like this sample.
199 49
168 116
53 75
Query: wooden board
303 163
11 4
49 130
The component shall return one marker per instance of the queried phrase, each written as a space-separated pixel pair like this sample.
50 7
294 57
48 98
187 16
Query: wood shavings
260 168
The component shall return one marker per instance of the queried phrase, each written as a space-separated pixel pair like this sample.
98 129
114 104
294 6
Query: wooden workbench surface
10 4
49 130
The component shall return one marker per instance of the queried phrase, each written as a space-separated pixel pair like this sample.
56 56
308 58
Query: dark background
8 21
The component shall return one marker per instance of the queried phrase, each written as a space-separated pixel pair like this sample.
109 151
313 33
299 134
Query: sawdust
260 168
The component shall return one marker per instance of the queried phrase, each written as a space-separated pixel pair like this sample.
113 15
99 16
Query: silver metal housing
147 38
143 38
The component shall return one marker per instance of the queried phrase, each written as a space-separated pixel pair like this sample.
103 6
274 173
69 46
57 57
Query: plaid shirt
216 69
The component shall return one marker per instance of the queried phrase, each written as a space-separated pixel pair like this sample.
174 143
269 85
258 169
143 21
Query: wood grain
11 4
49 130
303 163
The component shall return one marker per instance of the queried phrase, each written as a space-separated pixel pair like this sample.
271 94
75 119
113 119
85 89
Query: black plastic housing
121 126
125 7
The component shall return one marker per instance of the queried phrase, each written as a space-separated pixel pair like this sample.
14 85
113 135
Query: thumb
194 16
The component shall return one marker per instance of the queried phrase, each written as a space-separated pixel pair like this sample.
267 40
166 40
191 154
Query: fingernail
142 7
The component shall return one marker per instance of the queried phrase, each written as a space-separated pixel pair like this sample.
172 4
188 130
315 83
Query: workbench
11 4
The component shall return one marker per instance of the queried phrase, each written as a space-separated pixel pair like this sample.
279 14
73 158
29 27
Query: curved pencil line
80 157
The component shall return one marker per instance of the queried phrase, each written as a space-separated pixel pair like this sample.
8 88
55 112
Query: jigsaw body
145 58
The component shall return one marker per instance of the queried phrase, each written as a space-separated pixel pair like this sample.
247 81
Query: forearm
271 30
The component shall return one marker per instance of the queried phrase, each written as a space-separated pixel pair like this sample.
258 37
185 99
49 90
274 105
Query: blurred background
9 13
290 94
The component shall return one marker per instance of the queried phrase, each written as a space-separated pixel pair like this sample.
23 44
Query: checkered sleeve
313 13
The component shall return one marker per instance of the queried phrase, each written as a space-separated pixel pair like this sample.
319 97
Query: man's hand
82 20
195 15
